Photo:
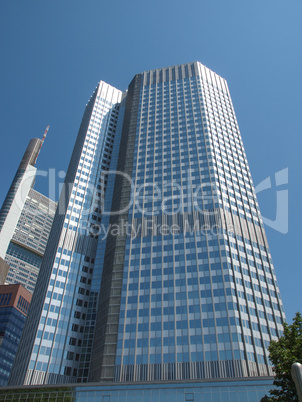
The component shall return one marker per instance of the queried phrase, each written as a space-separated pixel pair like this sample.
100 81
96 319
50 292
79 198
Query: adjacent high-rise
157 267
27 245
64 303
26 218
14 201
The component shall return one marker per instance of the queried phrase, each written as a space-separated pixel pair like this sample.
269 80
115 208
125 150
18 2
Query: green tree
283 353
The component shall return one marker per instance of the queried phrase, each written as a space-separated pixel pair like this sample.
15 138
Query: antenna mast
42 140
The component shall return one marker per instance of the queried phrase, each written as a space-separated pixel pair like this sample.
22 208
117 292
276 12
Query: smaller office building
14 304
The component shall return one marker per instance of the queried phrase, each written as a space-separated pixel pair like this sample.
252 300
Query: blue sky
54 53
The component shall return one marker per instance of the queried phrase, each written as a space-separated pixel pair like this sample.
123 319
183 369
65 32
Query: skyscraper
169 275
69 282
14 201
26 217
27 245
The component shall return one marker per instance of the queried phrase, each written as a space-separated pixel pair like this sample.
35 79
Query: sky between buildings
54 53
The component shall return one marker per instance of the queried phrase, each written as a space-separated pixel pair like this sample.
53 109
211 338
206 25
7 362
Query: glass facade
199 296
14 304
177 283
65 293
62 326
11 325
223 391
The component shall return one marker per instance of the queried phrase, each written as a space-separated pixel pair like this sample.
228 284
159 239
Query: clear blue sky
54 53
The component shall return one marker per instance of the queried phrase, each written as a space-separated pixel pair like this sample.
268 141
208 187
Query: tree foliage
283 353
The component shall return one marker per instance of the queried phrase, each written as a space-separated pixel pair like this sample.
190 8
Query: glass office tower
193 280
56 324
173 280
